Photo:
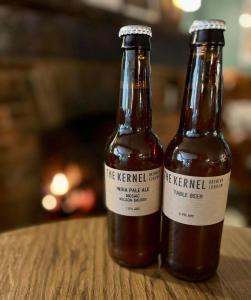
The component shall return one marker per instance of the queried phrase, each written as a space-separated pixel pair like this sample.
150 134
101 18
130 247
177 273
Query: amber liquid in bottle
191 252
134 241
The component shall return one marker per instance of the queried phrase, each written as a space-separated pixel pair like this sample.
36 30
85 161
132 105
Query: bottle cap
135 29
207 24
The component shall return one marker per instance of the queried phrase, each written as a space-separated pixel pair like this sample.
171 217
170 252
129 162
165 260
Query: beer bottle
133 160
197 164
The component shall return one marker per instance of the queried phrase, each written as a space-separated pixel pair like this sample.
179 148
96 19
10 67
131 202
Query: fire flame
59 185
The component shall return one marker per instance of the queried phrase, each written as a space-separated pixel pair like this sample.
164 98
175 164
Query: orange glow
84 200
49 202
74 174
59 185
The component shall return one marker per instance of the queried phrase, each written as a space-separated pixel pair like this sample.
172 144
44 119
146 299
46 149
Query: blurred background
59 87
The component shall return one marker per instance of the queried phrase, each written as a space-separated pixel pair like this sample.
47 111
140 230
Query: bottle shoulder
137 148
207 155
140 141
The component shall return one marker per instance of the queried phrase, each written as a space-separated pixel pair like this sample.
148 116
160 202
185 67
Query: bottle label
195 200
133 193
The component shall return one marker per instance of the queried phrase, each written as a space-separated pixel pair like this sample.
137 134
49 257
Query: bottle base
134 265
190 275
134 260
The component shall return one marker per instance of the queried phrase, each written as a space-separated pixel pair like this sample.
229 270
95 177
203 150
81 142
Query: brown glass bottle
134 236
191 242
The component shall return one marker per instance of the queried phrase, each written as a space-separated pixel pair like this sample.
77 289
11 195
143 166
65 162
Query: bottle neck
135 111
202 103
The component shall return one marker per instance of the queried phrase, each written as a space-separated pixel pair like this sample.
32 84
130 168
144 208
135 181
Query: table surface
69 260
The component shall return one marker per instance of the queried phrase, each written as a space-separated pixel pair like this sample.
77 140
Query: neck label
194 200
133 193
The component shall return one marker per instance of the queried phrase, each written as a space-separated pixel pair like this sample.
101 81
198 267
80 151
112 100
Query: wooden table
69 260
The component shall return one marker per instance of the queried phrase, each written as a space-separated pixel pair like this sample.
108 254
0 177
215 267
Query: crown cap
135 29
207 24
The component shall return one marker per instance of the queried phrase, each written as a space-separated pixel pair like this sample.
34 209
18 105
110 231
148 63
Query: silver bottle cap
135 29
207 24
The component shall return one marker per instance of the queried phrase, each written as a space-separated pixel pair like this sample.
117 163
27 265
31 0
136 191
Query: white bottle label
195 200
133 193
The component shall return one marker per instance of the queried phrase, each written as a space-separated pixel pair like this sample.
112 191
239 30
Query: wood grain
69 260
